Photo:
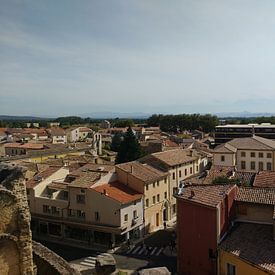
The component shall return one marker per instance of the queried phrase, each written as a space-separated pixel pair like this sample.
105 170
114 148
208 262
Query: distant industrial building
225 133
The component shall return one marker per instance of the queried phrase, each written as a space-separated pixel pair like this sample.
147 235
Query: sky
70 57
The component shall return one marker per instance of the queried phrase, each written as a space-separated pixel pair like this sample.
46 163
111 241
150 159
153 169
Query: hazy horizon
70 57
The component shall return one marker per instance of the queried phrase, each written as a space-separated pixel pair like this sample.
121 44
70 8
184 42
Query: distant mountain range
25 118
137 115
115 115
243 114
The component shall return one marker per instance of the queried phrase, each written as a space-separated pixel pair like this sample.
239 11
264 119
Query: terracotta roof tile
174 157
255 142
256 195
34 146
252 243
209 195
265 179
119 192
144 172
85 180
41 176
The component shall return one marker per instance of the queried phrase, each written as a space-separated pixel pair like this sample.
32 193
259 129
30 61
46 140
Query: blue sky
73 57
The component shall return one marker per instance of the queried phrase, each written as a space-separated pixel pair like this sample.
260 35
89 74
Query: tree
129 149
116 142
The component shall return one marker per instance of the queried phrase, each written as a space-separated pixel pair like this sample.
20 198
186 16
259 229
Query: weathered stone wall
49 263
15 234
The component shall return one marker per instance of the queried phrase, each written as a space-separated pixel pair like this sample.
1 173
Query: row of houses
56 135
98 203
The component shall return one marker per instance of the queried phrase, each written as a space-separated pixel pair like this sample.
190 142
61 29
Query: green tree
116 142
129 148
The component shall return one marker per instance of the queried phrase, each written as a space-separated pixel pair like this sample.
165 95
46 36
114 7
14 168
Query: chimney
105 192
132 169
192 194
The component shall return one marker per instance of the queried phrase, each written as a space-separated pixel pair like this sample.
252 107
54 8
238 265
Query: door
157 219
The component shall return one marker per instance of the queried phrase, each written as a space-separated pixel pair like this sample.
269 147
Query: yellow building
248 249
154 185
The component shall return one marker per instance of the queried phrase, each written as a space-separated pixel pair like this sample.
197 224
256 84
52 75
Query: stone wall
15 234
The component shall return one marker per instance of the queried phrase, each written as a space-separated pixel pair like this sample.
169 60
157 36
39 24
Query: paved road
150 253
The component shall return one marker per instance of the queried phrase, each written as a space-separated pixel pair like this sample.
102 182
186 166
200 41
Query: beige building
58 135
158 177
180 164
251 154
153 184
86 206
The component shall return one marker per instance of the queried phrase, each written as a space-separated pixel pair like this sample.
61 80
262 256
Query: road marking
153 250
87 264
136 250
90 260
129 251
141 251
159 251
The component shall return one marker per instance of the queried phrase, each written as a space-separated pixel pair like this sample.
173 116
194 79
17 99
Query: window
243 165
154 184
211 254
70 212
54 210
180 173
147 202
97 216
154 199
268 155
126 217
231 269
191 171
175 190
158 197
80 199
252 154
185 172
80 214
135 214
261 166
165 180
174 208
147 187
157 183
197 168
268 166
243 154
222 158
65 195
252 165
46 209
165 195
261 155
174 176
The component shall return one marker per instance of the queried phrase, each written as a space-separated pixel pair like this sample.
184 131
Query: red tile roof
209 195
252 243
256 195
119 192
265 179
